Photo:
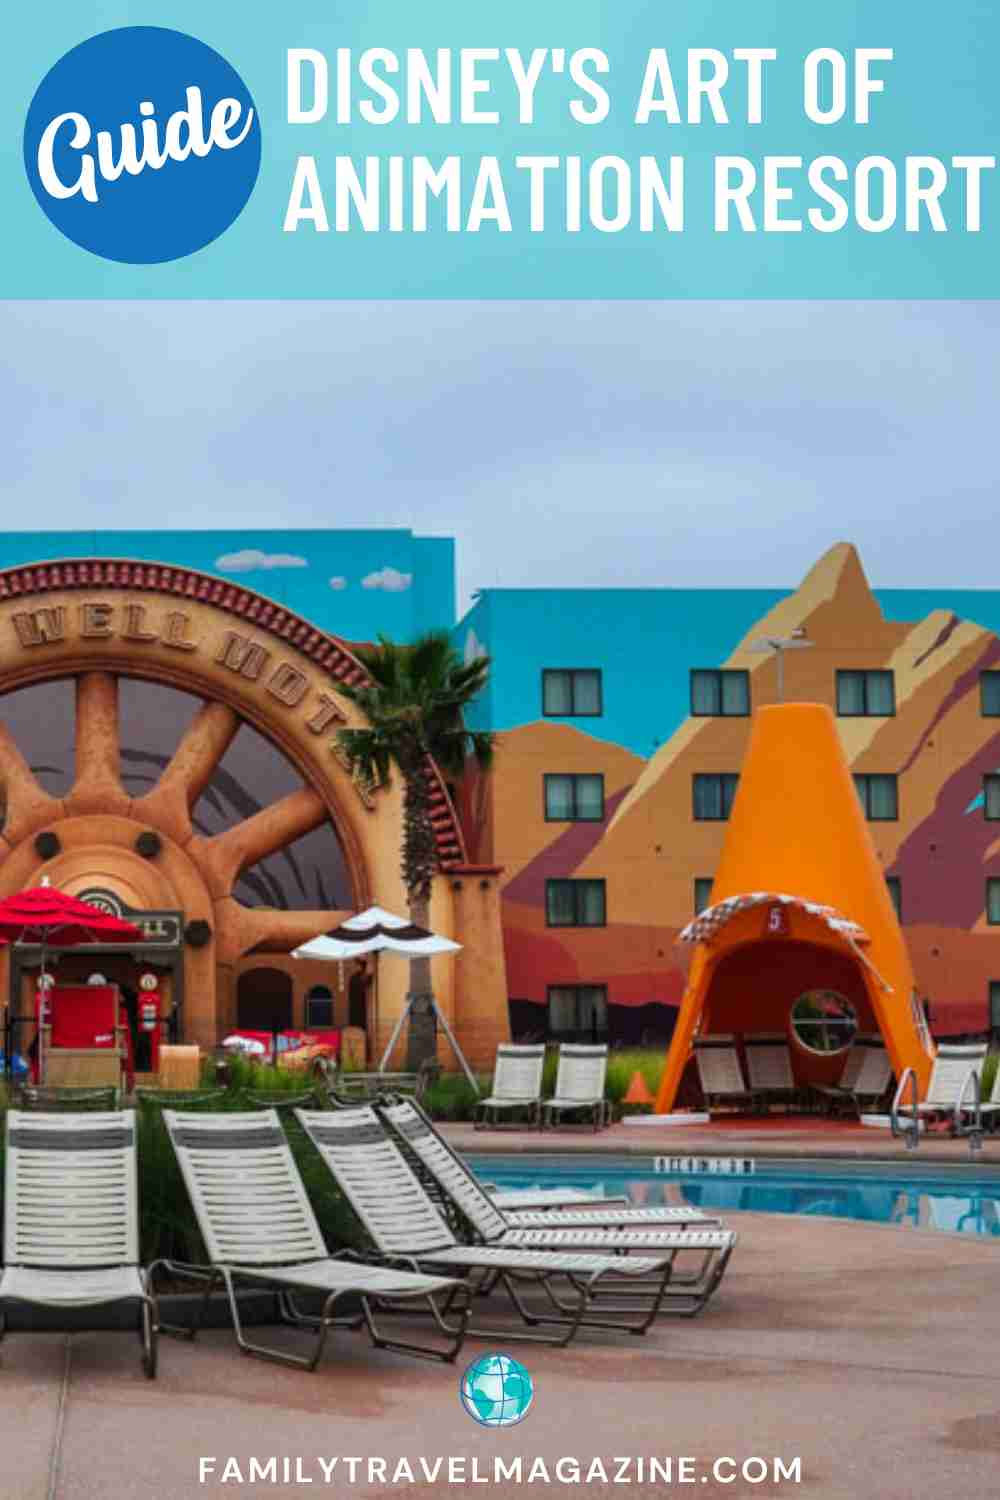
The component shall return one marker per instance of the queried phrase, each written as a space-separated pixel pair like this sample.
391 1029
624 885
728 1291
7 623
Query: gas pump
150 1025
43 1019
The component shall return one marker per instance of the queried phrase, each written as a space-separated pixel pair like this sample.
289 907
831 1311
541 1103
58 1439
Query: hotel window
574 799
993 901
896 892
866 695
578 1012
725 694
879 797
702 893
319 1006
572 693
713 796
575 903
991 797
989 694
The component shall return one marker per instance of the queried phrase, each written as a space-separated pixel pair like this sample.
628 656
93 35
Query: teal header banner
692 149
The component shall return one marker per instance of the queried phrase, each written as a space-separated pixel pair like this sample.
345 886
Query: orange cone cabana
797 832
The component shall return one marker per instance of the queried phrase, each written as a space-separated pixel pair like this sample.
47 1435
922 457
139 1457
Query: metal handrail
910 1131
975 1130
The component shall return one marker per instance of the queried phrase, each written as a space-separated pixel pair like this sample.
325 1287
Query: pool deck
796 1137
872 1354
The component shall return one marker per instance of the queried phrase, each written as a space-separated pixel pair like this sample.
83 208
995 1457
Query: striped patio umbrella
375 931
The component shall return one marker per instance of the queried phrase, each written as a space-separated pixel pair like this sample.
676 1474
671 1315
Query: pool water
961 1203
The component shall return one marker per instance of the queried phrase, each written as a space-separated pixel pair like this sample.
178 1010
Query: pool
962 1200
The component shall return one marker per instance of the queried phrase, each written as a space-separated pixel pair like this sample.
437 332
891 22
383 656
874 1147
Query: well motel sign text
139 624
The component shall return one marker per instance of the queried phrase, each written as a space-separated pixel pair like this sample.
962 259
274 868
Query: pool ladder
908 1127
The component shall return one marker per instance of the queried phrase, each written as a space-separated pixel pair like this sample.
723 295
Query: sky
582 445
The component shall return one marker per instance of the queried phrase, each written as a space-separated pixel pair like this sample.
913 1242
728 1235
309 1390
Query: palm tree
414 702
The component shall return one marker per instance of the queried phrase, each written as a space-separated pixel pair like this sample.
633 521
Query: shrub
452 1097
622 1064
167 1225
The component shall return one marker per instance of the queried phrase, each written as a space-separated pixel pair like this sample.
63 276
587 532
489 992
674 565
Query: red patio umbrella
54 919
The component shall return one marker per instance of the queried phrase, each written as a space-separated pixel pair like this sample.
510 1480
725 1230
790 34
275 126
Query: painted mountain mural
940 851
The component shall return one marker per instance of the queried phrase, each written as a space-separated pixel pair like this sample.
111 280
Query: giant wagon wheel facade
98 623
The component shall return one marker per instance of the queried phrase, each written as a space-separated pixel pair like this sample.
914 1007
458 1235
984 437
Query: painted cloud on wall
389 579
338 582
250 558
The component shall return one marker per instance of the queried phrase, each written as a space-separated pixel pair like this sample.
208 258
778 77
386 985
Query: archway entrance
760 987
264 1000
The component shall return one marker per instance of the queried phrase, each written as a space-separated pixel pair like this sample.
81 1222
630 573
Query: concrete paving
870 1353
793 1136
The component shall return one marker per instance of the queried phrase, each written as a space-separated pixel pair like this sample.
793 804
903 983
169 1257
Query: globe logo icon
496 1391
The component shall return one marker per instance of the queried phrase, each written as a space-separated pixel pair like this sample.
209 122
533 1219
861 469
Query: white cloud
388 579
338 582
249 559
474 647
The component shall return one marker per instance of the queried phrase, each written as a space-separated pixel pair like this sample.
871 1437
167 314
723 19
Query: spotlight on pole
777 645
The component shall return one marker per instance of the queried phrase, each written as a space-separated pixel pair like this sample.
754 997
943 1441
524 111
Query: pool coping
940 1154
902 1169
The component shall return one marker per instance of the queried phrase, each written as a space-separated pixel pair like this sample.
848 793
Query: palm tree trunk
422 1038
418 866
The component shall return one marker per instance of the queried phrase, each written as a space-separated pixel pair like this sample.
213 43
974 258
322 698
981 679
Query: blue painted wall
645 642
351 583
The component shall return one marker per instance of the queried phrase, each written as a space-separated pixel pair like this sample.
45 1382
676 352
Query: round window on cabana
824 1022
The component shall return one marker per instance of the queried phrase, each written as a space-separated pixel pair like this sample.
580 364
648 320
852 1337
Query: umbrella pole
42 1007
455 1047
395 1034
448 1033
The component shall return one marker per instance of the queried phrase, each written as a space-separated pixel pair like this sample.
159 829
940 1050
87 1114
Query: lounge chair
580 1085
357 1088
597 1213
76 1101
989 1109
948 1091
866 1078
719 1072
769 1068
553 1198
452 1178
71 1217
405 1226
517 1084
260 1230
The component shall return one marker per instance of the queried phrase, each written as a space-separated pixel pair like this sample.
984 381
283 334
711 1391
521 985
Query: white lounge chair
956 1070
719 1071
989 1109
552 1198
865 1080
594 1213
71 1217
405 1226
517 1084
260 1230
580 1084
453 1179
769 1068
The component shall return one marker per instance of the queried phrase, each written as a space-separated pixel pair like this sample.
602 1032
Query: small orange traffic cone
638 1090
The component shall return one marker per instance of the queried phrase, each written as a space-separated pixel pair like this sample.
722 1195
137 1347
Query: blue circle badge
142 145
